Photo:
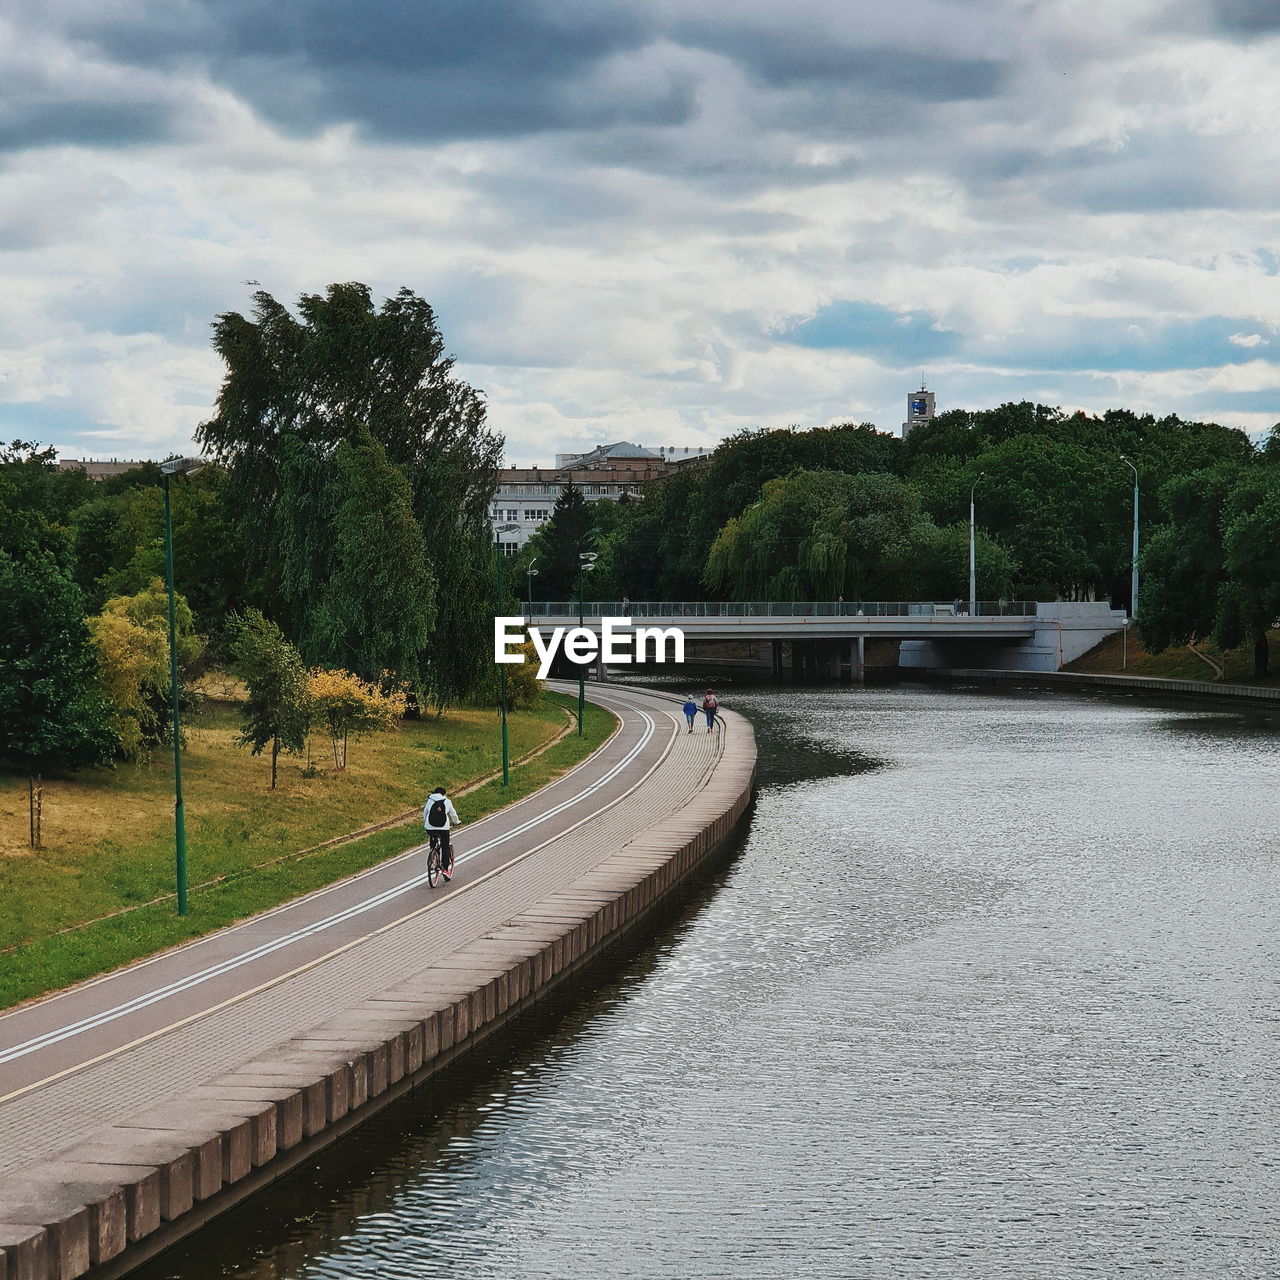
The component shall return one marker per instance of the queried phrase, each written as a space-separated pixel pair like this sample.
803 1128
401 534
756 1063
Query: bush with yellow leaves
350 708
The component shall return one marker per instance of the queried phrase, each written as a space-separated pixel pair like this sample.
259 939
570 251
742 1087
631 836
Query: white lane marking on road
317 961
295 904
104 1016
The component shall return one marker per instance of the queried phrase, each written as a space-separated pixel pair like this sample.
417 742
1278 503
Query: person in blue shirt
690 711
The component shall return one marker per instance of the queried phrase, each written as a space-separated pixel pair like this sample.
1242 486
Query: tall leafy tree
1249 602
277 712
1183 562
378 605
296 388
52 714
817 535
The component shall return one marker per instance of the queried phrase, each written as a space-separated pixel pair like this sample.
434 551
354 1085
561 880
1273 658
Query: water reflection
988 991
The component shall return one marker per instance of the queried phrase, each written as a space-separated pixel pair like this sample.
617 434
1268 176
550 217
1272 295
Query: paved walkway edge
1088 680
127 1192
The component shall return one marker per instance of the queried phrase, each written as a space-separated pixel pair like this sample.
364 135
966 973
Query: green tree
52 715
119 540
944 566
817 535
561 540
298 387
1249 601
131 637
376 610
34 499
278 709
1183 563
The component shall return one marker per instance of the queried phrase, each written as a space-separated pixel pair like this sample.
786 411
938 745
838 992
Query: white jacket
450 813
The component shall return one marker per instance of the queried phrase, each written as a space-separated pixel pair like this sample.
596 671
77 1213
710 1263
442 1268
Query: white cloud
638 277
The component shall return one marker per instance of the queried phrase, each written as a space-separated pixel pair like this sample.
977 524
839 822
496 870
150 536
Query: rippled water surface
989 990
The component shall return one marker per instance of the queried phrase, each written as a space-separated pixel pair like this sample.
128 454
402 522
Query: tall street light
529 574
176 467
973 562
587 562
1133 569
502 677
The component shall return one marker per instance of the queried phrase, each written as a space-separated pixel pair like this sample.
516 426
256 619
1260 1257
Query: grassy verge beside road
1107 658
109 837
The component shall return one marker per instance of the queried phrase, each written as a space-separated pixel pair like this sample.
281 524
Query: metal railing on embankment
779 608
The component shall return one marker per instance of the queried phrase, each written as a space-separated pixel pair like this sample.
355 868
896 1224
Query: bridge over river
828 638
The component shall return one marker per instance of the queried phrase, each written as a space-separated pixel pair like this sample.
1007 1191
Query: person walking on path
690 711
437 814
709 708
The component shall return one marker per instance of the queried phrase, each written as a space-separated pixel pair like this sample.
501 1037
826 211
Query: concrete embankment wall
1127 684
128 1191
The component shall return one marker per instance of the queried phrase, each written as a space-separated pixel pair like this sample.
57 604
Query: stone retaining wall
128 1191
1087 680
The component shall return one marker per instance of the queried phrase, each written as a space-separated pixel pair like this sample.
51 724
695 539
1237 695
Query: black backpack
435 815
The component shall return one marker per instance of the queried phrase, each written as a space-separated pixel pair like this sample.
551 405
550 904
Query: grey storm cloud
448 69
455 69
1248 17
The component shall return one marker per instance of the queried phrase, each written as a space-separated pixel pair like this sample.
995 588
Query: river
988 990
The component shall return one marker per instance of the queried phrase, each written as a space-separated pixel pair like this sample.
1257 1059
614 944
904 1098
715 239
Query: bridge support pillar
860 667
775 647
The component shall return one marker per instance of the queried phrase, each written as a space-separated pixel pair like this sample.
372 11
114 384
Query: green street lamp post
529 574
502 678
587 562
176 467
1133 563
973 559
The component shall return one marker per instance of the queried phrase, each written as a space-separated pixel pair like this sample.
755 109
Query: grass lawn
108 835
1175 664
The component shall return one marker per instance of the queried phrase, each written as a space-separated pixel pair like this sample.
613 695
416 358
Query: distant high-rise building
919 408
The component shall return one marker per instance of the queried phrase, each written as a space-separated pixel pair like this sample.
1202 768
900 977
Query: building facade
98 470
920 408
527 496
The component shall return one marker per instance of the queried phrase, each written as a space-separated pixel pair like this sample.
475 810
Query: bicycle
435 866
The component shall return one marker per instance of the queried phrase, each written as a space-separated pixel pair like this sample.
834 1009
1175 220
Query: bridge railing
779 608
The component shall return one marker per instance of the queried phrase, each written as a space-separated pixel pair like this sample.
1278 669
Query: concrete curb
1086 680
128 1191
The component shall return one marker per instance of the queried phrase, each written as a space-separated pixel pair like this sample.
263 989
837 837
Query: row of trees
346 506
849 511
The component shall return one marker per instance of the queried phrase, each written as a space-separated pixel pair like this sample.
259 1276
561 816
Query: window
512 514
510 548
538 515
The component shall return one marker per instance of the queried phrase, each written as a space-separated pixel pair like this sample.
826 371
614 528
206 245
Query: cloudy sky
658 220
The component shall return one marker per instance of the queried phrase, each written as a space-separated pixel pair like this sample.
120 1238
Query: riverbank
116 1159
1119 655
985 991
1261 695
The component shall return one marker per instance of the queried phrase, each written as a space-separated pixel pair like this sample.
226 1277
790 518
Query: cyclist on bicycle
437 815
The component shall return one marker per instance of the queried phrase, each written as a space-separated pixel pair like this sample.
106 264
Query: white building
527 495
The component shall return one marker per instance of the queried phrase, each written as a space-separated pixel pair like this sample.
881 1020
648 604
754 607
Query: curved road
107 1049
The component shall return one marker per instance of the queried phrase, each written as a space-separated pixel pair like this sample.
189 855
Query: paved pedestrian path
134 1047
109 1048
